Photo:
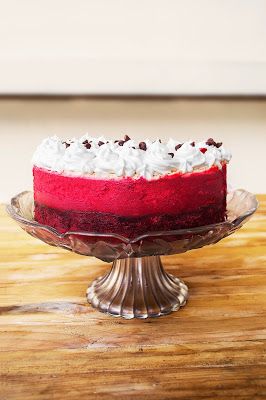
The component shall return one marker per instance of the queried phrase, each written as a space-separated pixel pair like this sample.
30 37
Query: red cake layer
129 206
168 194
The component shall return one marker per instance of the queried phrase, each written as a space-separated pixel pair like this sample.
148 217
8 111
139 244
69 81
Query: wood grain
55 346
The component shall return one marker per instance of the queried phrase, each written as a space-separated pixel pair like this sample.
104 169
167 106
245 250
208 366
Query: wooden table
55 346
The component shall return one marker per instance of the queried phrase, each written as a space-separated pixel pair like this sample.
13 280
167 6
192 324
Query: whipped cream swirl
88 155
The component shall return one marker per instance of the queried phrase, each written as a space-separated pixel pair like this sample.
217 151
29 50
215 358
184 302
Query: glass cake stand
137 286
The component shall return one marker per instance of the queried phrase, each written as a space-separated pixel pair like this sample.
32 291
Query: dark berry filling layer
130 227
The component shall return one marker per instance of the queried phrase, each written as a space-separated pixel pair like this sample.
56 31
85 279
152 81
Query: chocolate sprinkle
121 142
126 138
100 143
87 144
192 144
143 146
211 142
66 144
178 146
171 154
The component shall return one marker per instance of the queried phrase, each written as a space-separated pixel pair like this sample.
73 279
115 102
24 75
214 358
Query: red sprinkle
203 150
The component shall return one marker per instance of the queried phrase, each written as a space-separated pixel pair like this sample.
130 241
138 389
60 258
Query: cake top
90 155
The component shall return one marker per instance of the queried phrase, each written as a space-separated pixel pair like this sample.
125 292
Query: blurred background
187 69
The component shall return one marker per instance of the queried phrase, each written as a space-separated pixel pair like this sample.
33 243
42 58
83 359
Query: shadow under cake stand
137 286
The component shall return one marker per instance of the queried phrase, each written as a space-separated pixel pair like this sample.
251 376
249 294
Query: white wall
133 46
241 125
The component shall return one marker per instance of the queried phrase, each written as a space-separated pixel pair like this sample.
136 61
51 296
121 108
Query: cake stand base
137 288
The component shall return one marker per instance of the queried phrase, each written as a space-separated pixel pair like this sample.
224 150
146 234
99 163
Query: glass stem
137 288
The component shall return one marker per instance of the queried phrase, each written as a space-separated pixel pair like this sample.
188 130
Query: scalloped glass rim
232 220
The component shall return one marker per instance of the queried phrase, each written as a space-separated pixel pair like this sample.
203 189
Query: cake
129 188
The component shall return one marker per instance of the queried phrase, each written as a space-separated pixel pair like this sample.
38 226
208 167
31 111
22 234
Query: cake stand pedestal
137 288
137 285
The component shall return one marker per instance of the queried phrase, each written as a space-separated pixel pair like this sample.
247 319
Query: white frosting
77 159
126 160
49 154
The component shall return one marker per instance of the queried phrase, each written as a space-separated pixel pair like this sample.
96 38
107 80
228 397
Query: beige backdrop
241 125
131 47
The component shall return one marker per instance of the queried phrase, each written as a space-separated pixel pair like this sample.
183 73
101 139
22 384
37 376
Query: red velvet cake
129 188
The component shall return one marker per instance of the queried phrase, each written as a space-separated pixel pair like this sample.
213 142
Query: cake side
131 197
131 207
156 190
